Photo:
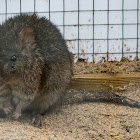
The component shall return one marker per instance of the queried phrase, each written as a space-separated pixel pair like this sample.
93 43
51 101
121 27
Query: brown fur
26 35
41 72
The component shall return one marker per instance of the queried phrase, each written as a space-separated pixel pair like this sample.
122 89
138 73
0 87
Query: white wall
100 31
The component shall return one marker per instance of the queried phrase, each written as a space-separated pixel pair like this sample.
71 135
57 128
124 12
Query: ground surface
84 121
124 66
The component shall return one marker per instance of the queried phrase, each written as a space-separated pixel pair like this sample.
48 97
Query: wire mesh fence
93 29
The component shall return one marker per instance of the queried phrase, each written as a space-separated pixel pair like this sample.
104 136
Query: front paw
16 115
8 110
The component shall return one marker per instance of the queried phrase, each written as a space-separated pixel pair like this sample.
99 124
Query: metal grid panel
93 29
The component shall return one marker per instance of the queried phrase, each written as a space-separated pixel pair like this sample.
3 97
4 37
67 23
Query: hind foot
37 120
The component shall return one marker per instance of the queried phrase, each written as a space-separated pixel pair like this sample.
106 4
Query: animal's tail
79 97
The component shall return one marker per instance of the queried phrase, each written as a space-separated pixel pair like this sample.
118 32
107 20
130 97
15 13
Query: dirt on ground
84 121
124 66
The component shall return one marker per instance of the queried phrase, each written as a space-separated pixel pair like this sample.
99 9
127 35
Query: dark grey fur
42 70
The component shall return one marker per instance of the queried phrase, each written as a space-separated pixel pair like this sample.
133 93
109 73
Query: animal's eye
13 58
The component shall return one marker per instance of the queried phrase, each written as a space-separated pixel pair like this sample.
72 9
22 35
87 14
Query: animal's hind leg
37 119
37 115
42 104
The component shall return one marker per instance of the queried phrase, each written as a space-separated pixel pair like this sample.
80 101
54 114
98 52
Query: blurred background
93 29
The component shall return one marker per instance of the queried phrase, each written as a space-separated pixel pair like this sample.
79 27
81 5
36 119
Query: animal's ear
26 35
